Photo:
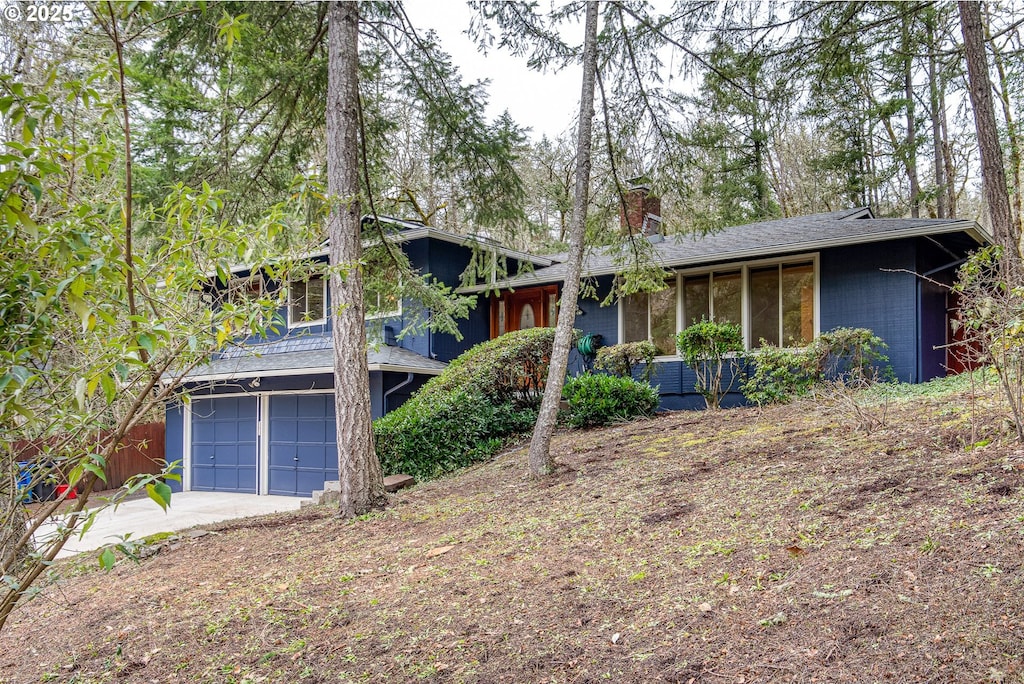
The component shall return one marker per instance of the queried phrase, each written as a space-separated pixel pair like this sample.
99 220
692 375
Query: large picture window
770 302
651 317
713 296
782 305
307 301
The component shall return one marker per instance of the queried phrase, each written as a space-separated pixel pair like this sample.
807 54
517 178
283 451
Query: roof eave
285 372
969 227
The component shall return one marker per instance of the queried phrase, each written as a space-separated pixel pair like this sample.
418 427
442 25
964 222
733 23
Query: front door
535 307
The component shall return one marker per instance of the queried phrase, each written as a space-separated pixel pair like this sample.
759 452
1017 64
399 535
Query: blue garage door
303 452
224 444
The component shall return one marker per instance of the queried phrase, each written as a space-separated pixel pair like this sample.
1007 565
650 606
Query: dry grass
738 546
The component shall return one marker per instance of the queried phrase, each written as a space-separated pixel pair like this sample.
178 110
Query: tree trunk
540 446
911 138
947 158
993 176
12 517
1011 130
362 487
937 114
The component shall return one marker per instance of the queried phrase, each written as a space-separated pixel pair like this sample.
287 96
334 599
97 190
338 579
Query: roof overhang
416 231
970 228
302 372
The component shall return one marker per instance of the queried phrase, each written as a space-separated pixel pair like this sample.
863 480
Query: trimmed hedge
508 369
427 439
604 399
466 413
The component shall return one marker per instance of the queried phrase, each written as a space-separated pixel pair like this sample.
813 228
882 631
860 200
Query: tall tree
94 334
362 485
540 459
993 176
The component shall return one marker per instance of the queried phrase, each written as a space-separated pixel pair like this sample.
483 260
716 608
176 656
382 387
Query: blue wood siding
397 392
676 384
857 292
599 320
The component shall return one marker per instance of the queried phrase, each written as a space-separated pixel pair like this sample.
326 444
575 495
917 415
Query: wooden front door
535 307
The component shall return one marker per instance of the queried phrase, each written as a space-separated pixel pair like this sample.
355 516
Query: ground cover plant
758 545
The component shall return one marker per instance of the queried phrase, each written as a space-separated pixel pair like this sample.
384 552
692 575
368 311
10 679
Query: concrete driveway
142 517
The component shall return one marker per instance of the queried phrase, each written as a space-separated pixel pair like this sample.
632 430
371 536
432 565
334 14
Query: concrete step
331 493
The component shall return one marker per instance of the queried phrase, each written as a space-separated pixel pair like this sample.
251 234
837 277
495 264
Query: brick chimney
642 215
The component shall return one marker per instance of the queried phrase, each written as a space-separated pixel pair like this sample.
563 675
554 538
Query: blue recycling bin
25 491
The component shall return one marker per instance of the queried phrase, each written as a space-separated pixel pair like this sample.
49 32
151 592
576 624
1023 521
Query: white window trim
312 322
744 269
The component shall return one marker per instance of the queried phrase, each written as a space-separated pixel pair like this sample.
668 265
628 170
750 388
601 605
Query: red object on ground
64 488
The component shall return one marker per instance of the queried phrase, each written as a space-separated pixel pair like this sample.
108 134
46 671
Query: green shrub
780 375
508 369
604 399
428 438
852 356
621 359
710 349
466 413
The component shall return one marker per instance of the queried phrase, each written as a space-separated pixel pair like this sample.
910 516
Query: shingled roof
305 355
762 239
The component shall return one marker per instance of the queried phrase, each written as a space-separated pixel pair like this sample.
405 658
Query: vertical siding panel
860 290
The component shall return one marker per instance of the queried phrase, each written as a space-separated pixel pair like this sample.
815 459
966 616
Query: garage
302 446
224 444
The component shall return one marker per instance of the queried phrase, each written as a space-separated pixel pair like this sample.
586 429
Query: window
242 290
713 296
386 303
307 301
779 299
773 302
782 305
651 317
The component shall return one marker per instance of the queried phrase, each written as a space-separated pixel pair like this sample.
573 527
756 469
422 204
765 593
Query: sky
546 103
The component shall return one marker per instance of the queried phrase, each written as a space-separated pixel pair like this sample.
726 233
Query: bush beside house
467 413
604 399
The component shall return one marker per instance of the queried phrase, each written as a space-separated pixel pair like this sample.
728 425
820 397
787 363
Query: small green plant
622 359
712 349
989 570
604 399
779 375
848 357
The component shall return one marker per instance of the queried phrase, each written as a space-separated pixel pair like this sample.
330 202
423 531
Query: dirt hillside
820 542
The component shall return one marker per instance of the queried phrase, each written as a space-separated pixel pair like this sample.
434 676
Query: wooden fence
142 451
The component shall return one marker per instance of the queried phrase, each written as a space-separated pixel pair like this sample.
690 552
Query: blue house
261 417
783 281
